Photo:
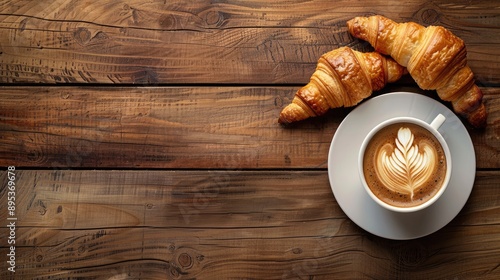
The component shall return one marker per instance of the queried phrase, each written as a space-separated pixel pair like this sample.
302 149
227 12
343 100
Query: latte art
405 166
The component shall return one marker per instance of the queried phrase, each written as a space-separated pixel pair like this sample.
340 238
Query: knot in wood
171 247
185 261
174 272
167 22
82 36
81 249
35 155
214 18
428 14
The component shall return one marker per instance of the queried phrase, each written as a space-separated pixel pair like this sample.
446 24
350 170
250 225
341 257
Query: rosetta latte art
405 167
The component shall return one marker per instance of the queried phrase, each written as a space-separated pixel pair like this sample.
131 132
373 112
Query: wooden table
145 143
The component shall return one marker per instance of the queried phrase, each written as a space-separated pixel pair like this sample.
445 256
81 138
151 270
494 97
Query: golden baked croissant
343 77
434 57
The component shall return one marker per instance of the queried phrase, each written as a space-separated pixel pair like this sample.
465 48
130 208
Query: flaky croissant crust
343 77
434 57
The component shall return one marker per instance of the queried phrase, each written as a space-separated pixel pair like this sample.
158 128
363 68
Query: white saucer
346 184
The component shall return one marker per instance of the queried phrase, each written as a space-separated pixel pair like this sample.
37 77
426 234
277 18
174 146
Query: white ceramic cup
432 128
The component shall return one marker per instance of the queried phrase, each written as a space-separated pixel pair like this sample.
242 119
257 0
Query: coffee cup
405 163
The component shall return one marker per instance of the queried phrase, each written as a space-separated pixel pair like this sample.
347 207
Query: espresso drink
404 165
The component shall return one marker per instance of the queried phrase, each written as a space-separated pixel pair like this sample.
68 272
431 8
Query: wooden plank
61 127
256 42
228 224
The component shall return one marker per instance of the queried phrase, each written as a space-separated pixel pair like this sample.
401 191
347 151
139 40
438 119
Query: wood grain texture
188 175
178 127
231 225
158 42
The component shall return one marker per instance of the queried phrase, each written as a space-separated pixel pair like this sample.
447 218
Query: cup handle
438 121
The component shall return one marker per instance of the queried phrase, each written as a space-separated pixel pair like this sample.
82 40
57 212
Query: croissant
343 77
434 57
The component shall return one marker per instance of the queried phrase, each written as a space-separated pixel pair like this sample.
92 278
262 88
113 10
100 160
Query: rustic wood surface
145 140
162 127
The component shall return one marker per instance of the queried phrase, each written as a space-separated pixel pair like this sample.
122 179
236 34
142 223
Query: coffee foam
404 165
